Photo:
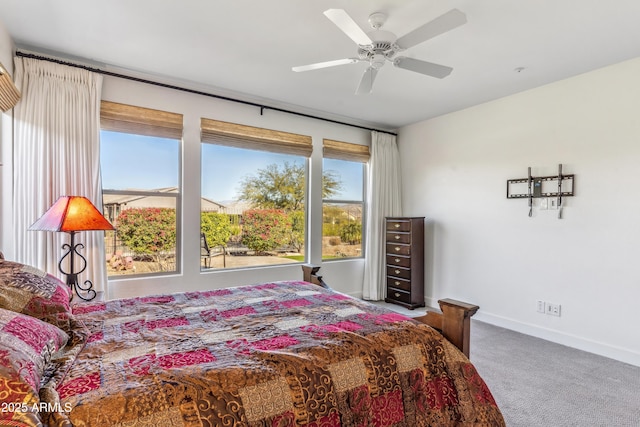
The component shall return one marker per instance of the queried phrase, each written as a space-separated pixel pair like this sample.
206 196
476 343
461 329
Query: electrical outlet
553 309
541 306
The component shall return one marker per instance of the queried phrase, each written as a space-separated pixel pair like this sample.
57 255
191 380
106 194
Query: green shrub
264 230
216 228
296 238
351 233
149 231
329 229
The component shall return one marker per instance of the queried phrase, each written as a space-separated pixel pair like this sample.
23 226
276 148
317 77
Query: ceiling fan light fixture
377 61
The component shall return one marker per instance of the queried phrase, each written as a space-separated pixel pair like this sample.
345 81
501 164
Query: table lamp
72 214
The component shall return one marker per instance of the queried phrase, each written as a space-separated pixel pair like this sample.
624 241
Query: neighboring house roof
128 199
206 200
236 206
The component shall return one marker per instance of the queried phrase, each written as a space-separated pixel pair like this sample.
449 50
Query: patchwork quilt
273 354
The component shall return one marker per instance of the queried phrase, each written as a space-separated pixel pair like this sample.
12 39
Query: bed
270 354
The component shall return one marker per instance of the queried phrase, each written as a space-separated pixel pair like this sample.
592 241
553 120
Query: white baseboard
558 337
569 340
356 295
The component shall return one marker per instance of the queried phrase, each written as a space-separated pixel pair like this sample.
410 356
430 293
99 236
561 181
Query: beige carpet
540 383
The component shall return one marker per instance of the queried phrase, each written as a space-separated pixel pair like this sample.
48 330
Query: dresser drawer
397 225
399 295
401 261
394 282
398 237
395 271
398 249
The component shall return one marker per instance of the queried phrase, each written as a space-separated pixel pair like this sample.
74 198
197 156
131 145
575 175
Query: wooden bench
454 322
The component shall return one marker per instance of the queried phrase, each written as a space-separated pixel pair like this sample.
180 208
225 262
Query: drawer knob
397 271
397 237
397 225
397 295
397 283
397 248
397 259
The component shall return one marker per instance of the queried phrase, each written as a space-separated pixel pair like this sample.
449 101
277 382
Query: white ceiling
247 47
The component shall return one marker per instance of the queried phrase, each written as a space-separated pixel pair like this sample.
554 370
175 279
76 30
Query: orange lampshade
72 213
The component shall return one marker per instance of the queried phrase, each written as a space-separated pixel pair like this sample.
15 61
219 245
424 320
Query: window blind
345 151
254 138
140 121
9 94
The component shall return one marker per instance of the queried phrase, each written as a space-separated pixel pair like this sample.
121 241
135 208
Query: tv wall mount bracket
553 186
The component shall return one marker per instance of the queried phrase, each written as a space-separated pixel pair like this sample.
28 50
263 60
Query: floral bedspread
274 354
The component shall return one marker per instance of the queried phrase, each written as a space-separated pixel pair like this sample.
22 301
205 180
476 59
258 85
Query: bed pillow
26 347
33 292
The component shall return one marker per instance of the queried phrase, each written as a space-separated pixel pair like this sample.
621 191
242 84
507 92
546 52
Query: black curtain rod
197 92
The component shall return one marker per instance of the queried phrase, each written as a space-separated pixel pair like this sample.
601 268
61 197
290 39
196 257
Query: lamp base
72 275
85 291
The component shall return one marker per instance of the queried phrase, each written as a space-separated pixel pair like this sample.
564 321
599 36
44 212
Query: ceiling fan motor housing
378 52
378 46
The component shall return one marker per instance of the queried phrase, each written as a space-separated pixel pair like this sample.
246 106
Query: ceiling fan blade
450 20
366 83
327 64
343 21
422 67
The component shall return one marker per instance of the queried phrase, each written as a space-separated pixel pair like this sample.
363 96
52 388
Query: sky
146 163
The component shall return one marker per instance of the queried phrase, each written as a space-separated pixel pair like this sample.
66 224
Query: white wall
485 249
6 49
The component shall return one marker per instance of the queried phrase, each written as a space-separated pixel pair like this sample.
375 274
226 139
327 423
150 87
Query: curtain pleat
384 196
56 153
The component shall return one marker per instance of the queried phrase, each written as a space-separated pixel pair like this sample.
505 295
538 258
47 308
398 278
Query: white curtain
383 194
56 153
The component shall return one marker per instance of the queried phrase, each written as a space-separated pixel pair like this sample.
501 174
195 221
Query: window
344 169
253 205
140 166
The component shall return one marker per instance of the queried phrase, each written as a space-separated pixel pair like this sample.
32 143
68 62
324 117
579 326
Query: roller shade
9 94
140 121
254 138
345 151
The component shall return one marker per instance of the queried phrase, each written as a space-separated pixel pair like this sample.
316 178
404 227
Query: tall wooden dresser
405 261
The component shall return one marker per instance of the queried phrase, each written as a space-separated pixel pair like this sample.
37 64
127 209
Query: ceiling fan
378 46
